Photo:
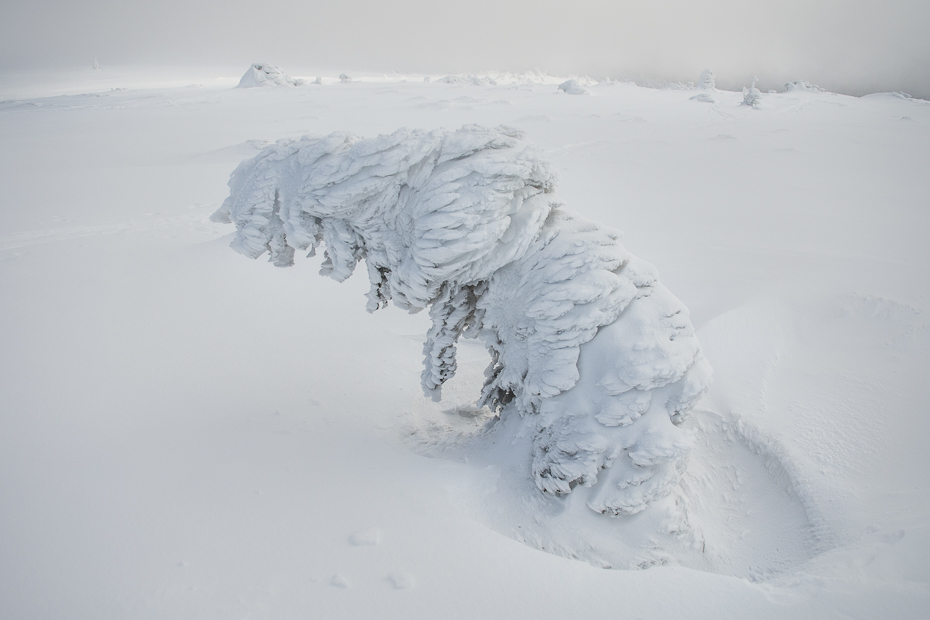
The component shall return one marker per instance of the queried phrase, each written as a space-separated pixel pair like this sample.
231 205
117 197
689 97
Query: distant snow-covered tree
595 358
751 95
706 81
262 74
345 79
96 65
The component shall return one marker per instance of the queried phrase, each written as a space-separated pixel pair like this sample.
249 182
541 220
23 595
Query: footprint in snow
402 580
338 581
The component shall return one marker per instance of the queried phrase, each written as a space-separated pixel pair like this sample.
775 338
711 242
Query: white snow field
187 433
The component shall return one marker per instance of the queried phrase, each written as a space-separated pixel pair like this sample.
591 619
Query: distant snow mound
261 74
345 79
573 87
466 223
803 86
895 95
474 80
707 80
704 97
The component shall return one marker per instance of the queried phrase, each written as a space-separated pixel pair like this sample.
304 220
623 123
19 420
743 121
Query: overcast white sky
853 46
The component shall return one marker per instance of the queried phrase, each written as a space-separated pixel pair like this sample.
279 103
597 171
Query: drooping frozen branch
586 345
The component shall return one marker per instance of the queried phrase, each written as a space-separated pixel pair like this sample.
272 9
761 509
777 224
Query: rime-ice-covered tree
706 81
595 357
263 74
751 95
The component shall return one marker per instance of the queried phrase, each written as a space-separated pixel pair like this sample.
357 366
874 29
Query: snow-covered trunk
598 358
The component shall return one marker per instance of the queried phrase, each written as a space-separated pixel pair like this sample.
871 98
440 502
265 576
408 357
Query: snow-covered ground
187 433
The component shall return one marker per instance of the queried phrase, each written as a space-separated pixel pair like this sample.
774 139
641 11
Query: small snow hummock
752 96
262 74
573 87
591 356
345 79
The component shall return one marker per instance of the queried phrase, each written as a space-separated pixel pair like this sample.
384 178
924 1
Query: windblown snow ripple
466 223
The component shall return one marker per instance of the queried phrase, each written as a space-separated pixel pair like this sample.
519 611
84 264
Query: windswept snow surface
185 433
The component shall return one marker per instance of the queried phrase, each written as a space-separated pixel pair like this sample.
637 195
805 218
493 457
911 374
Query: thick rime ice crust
598 358
261 74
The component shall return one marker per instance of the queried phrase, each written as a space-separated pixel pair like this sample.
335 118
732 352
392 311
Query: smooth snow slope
187 433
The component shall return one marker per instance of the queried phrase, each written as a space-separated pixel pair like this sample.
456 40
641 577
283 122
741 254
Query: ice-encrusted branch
598 358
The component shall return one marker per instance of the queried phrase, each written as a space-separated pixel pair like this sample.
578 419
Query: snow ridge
598 359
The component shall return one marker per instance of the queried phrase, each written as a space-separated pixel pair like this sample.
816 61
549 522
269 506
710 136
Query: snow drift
262 74
466 223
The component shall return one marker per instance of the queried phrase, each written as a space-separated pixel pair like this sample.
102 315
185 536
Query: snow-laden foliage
752 96
596 356
706 81
262 74
573 87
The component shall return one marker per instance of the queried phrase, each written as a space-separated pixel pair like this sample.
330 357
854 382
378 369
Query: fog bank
853 47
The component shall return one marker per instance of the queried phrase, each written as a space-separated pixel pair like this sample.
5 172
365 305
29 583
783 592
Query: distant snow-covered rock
261 74
594 359
345 79
803 86
573 87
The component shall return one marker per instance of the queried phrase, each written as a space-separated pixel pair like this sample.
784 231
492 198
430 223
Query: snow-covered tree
706 81
752 96
262 74
594 356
